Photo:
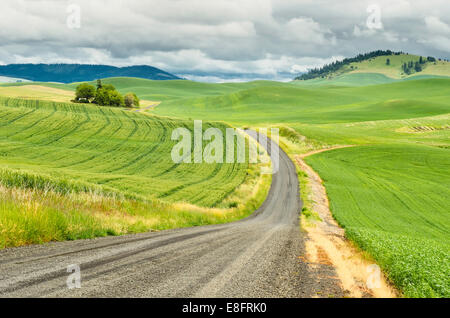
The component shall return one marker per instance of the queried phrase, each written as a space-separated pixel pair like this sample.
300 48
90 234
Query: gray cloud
220 39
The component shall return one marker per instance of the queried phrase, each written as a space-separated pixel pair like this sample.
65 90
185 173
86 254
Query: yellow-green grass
122 151
72 150
393 201
378 65
48 92
40 92
440 68
34 216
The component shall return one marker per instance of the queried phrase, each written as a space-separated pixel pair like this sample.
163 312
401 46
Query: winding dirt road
261 256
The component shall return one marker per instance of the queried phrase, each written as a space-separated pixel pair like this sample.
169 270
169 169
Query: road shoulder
326 243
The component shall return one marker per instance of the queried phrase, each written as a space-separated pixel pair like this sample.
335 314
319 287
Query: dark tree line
335 66
411 66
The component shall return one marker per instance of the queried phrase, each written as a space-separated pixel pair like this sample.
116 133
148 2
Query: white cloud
435 25
306 30
363 32
438 35
439 42
216 39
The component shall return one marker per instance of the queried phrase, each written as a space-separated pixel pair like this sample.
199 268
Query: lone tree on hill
105 95
84 93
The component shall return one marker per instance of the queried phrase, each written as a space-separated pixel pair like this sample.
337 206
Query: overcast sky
217 40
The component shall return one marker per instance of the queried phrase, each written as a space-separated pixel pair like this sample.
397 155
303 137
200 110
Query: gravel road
260 256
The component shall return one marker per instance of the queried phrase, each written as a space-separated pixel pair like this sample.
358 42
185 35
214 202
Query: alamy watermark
191 149
74 16
74 279
374 19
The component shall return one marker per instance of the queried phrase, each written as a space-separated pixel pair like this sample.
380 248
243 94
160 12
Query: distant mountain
69 73
4 79
394 65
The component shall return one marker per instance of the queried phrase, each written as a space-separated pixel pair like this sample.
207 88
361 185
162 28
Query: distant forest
69 73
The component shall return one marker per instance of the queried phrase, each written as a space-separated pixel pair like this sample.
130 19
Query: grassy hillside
119 162
292 103
123 151
377 70
177 89
40 92
265 102
350 79
394 70
393 65
392 200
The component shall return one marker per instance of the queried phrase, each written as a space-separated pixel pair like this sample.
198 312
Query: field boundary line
327 242
323 150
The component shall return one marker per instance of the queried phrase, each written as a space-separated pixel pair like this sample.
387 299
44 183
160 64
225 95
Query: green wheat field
76 171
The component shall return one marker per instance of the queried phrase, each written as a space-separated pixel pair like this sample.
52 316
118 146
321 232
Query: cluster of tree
104 95
335 66
411 66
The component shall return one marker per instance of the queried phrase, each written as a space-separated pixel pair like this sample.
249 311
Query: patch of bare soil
326 244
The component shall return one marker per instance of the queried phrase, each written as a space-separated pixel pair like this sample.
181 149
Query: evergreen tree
417 67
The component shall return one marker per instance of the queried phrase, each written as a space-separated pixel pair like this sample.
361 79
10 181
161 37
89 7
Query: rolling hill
290 103
377 67
69 73
267 102
389 191
95 171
